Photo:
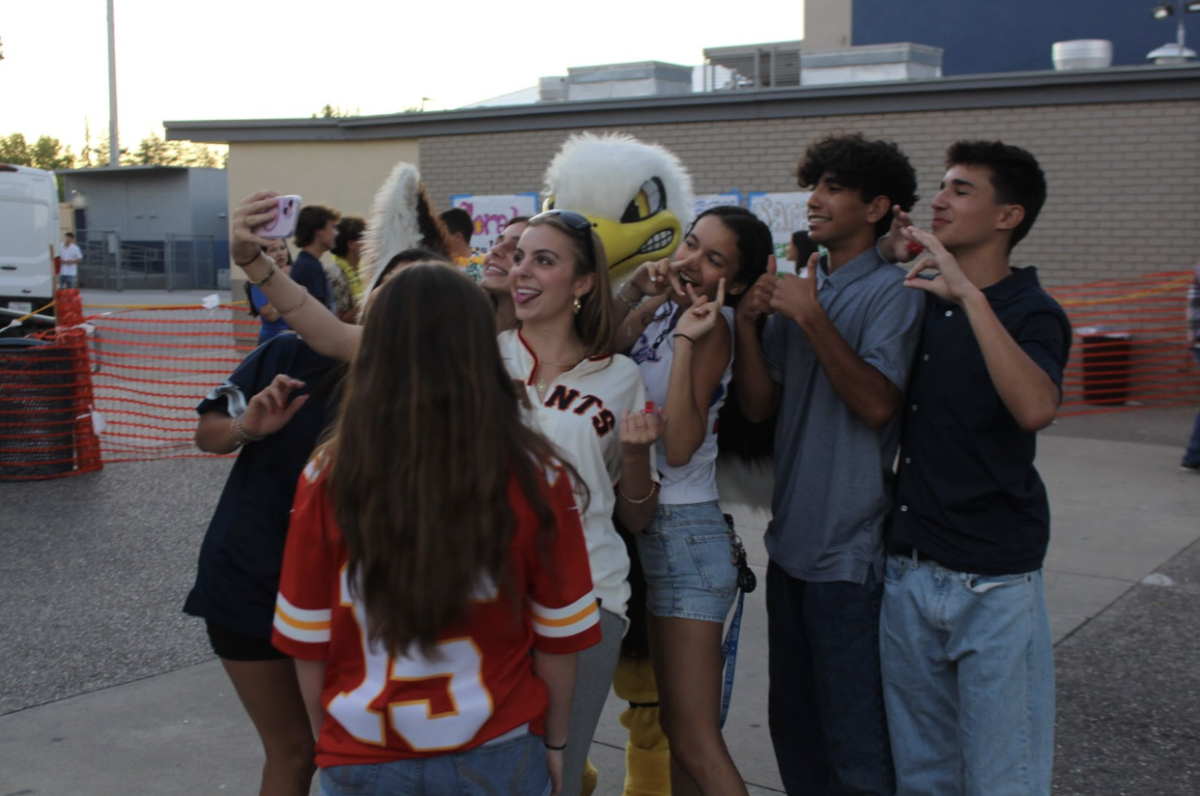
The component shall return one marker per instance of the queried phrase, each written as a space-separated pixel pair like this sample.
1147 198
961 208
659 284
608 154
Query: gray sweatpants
593 679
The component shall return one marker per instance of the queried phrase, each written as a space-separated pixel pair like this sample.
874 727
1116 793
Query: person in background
461 227
343 274
497 267
965 644
1191 457
272 322
316 233
71 257
799 249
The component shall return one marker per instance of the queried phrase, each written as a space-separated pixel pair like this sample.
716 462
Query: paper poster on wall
707 200
491 213
784 213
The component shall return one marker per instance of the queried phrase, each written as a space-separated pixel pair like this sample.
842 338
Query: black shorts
234 646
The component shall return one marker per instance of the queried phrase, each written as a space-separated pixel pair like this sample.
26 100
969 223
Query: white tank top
696 481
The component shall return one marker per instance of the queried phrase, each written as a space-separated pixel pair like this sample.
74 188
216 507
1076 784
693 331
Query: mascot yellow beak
629 244
647 230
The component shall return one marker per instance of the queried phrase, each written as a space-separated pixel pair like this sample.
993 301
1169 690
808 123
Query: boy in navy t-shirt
965 641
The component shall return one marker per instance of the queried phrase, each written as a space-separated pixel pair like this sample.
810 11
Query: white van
29 230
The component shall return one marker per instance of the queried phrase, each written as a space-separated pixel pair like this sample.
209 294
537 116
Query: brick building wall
1122 176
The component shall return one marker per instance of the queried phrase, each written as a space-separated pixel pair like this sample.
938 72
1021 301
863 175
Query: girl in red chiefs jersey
435 542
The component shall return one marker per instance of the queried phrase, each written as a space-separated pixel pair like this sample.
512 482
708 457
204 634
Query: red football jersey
381 707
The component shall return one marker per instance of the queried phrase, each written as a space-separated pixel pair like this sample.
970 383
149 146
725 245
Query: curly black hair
873 168
1016 177
350 229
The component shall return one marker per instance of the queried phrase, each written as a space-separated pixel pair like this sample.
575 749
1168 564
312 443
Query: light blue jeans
968 680
515 767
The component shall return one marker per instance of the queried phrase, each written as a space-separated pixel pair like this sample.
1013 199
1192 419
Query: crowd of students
453 588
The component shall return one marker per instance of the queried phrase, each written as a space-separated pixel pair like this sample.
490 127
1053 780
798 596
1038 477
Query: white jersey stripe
302 614
563 631
565 612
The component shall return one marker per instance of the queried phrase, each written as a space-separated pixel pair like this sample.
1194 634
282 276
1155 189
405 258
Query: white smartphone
284 223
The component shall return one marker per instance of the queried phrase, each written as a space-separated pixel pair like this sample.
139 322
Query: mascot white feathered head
638 195
402 217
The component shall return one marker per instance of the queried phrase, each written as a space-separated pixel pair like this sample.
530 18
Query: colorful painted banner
491 213
707 200
784 213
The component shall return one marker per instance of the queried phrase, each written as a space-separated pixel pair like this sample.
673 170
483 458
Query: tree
152 151
46 153
334 112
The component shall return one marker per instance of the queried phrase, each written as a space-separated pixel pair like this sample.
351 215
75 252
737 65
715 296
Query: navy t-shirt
308 272
240 558
967 494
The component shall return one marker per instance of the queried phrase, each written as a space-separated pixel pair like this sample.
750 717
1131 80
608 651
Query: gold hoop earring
578 305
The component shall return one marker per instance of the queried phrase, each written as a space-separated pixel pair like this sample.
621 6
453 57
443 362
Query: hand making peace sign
699 319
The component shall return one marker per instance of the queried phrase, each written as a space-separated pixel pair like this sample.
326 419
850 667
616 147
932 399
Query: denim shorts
687 555
512 767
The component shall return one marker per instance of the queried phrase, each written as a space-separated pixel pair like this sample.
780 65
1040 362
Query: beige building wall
1122 187
342 174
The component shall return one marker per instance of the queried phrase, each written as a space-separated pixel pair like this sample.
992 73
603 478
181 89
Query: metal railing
180 262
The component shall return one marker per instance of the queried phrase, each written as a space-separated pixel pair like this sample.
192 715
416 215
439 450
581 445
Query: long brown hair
594 321
427 438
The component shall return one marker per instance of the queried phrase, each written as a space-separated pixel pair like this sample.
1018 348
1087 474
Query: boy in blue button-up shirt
965 636
834 361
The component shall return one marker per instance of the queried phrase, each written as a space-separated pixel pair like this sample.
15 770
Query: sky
252 59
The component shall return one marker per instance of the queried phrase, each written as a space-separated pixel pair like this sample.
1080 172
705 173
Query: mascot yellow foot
591 778
647 755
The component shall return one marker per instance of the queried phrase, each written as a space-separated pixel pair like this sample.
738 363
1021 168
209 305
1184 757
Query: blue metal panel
1014 35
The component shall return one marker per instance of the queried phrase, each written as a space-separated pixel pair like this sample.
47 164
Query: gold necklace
541 381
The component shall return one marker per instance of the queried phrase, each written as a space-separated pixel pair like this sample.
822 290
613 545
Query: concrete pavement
105 688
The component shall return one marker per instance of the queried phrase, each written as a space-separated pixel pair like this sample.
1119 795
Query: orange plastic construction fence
152 365
1131 346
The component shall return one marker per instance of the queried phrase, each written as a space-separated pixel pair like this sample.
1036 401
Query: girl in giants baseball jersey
682 340
589 403
434 544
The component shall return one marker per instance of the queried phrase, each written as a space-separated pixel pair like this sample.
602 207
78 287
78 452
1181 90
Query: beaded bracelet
303 299
244 436
632 304
654 487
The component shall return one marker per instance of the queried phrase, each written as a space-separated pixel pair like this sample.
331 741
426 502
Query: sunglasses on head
575 221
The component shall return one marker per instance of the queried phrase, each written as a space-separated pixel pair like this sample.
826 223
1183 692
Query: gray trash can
1106 358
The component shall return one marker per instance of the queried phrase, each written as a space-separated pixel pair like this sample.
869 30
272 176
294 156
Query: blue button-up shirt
833 472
